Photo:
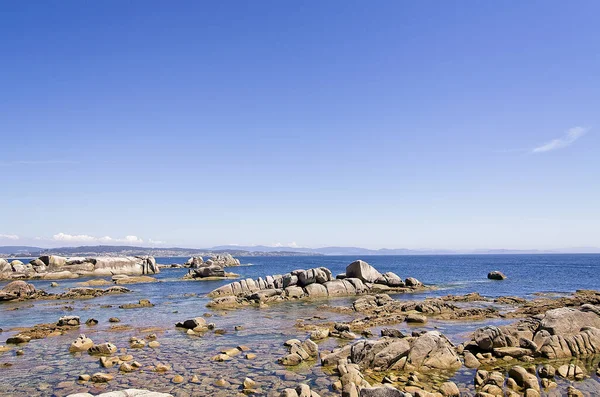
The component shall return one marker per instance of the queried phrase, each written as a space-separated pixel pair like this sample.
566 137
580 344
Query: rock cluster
317 283
124 393
213 268
58 267
559 333
430 351
17 290
302 390
222 260
299 352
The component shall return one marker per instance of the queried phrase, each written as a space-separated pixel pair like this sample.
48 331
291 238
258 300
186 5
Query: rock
17 290
141 303
177 379
496 275
524 379
221 383
195 323
100 377
84 377
429 351
547 371
81 344
584 343
489 337
126 367
412 282
53 284
363 271
470 360
567 321
571 371
103 348
17 339
290 360
416 318
153 344
68 320
449 389
319 334
382 392
91 321
249 384
114 320
573 392
109 362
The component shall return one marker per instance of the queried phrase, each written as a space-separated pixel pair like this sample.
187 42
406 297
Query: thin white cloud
293 244
570 136
156 242
84 238
9 237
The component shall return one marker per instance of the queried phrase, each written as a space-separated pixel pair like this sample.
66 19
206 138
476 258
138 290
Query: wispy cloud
567 139
84 238
9 237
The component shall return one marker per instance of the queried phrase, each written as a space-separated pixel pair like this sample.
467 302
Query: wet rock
319 334
571 371
471 361
68 320
54 284
195 323
136 343
249 384
449 389
81 344
141 303
412 282
84 377
523 378
91 321
496 275
416 319
177 379
153 344
18 339
100 377
17 290
109 362
106 348
547 371
114 320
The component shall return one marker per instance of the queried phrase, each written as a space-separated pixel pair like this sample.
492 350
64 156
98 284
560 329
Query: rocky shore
211 269
318 283
57 267
376 342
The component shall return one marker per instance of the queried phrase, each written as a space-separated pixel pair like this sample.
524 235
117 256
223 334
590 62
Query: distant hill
262 250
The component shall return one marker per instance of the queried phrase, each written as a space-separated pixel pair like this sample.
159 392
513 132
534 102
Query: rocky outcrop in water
20 290
58 267
316 283
212 269
124 393
221 260
430 351
559 333
496 275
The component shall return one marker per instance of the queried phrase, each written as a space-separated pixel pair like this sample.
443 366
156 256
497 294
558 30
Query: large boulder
430 351
363 271
224 260
53 262
567 321
584 343
194 262
17 290
490 337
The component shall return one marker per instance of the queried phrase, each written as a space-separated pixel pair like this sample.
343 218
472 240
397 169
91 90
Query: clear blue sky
373 124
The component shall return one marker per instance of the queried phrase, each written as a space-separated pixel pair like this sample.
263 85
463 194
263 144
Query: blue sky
457 125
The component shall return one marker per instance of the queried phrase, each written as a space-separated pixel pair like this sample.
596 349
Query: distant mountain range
264 250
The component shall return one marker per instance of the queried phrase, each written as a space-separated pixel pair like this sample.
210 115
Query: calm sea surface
264 330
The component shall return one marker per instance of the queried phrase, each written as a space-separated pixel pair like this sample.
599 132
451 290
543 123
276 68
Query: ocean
263 330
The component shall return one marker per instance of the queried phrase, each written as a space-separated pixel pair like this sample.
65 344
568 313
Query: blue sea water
263 329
